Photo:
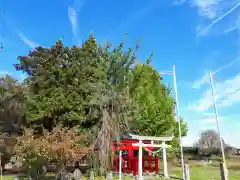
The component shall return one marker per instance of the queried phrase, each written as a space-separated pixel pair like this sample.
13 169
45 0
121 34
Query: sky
194 35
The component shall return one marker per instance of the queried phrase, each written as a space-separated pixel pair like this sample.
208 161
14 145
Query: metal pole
178 119
217 120
120 164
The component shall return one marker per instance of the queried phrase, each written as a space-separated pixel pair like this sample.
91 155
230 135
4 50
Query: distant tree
12 97
208 139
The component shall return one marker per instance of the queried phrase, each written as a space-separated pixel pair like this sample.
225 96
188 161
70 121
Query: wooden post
156 165
149 162
136 166
186 172
143 165
223 172
130 158
117 163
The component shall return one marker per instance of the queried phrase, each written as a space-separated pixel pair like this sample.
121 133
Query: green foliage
84 86
154 105
99 89
62 82
154 113
12 97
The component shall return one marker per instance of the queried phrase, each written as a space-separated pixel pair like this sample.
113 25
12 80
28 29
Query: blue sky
195 35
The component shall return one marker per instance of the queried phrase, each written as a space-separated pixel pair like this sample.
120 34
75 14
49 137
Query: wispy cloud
27 41
178 2
207 8
227 93
213 14
228 30
231 63
73 11
205 121
197 84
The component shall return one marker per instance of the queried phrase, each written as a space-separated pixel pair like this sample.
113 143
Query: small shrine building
137 155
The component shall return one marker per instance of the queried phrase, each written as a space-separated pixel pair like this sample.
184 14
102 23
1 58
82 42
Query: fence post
186 172
223 172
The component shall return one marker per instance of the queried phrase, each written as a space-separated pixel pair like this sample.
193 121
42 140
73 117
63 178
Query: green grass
8 177
196 173
205 173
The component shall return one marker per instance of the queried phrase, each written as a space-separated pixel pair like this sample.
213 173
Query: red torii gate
133 159
130 161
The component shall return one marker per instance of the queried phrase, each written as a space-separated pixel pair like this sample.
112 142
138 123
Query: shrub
62 145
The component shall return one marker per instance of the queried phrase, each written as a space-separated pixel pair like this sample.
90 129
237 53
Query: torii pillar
140 144
164 154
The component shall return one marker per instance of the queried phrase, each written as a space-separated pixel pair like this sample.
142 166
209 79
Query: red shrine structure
130 156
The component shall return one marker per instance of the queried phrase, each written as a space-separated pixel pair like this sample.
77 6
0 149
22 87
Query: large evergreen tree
84 86
99 89
62 82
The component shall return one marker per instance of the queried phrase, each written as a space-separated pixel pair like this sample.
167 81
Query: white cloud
200 121
209 121
231 29
229 11
27 41
226 92
207 8
73 10
203 80
72 14
178 2
212 12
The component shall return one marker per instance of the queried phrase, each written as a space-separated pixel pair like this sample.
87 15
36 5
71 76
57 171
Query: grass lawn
8 177
196 173
205 173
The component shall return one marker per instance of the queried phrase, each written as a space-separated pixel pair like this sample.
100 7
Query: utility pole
178 119
173 73
218 125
